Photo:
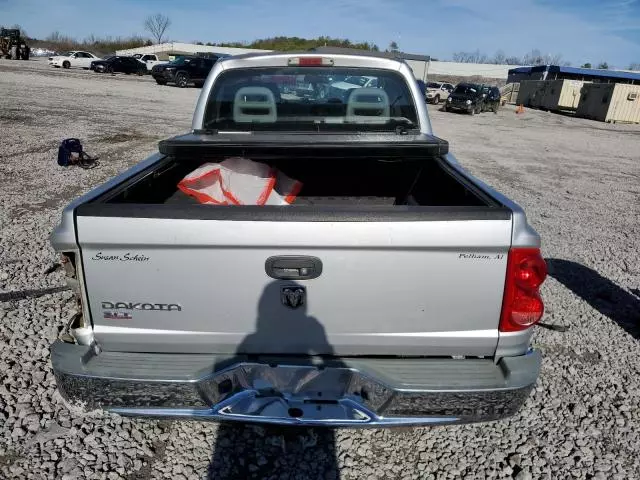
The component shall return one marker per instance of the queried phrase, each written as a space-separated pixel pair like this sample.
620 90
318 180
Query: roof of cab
307 53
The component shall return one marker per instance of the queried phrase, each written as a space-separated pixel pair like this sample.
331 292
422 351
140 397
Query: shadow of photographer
244 450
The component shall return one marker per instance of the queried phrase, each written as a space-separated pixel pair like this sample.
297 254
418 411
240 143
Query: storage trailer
529 93
610 102
561 94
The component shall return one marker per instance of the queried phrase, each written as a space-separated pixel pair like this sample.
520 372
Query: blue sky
580 30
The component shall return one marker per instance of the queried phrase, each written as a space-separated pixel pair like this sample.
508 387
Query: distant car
118 64
466 97
356 81
362 81
492 97
438 92
185 70
341 88
75 59
150 60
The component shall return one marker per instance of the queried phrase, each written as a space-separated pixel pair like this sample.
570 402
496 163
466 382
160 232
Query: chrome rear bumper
347 392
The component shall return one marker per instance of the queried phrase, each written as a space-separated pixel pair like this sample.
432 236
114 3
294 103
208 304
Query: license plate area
261 392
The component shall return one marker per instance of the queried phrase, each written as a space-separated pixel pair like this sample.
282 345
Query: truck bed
334 177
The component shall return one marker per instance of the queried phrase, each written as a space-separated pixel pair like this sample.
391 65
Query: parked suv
466 97
185 70
118 64
492 97
437 92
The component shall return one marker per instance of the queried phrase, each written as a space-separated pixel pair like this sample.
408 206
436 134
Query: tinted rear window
310 99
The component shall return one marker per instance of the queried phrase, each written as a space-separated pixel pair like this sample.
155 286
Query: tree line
58 42
534 57
282 43
605 66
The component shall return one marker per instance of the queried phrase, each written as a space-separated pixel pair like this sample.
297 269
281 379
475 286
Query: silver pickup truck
395 290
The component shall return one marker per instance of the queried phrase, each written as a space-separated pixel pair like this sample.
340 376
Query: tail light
522 306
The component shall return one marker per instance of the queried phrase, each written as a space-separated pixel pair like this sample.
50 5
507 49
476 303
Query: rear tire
436 100
66 64
161 82
182 80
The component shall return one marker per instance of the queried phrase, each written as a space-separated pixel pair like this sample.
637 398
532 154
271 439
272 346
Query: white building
485 70
171 49
423 67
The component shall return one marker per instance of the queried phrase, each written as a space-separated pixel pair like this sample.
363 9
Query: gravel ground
578 180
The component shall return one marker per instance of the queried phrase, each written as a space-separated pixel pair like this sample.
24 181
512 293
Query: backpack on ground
70 152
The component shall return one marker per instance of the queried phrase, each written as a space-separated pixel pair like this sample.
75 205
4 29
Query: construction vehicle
13 45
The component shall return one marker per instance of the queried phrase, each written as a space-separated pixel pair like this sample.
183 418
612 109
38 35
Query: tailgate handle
292 267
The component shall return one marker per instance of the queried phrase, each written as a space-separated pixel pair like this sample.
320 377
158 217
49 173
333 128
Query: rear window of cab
310 99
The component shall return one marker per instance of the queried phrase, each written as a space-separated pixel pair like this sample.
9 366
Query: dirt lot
578 180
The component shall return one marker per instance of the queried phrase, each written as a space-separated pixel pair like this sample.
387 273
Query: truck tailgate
430 287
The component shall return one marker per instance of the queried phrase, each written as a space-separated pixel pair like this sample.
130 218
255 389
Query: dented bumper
337 392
